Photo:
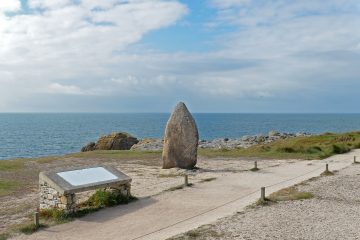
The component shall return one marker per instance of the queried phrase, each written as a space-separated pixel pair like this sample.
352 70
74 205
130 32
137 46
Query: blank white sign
87 176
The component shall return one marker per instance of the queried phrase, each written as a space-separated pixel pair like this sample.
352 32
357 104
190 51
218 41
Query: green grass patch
289 194
8 187
12 165
313 147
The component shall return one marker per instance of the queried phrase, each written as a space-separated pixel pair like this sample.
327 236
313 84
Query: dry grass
290 194
200 233
8 187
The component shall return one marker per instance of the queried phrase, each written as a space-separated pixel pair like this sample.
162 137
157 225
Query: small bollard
255 165
355 159
327 167
262 197
36 219
186 178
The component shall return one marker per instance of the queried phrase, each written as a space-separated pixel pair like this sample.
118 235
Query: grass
99 200
290 194
8 187
327 173
313 147
200 233
12 165
286 194
30 228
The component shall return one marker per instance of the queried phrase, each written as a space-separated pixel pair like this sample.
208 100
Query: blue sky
145 55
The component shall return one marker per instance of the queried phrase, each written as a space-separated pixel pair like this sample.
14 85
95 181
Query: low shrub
286 149
340 148
313 150
102 198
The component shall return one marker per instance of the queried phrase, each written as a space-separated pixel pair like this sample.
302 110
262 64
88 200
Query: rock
181 139
148 144
116 141
89 147
273 133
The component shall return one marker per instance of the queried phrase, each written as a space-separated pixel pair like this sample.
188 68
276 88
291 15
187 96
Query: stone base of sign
52 199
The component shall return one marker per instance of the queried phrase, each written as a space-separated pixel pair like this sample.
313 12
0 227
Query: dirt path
171 213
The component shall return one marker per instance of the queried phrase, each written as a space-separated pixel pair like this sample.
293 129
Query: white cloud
9 5
66 41
48 4
276 49
58 88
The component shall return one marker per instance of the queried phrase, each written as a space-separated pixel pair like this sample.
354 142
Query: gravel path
334 213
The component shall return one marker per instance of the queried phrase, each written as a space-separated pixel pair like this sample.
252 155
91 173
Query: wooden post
186 178
327 167
355 159
262 197
36 219
255 165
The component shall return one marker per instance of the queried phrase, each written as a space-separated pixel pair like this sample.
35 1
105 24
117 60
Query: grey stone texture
181 139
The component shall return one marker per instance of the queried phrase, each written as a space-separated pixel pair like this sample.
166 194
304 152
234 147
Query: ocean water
25 135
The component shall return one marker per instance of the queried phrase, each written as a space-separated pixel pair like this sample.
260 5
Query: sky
246 56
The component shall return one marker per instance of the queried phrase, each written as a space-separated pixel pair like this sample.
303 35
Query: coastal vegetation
312 147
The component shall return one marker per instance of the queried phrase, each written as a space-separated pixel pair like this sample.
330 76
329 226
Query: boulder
181 139
148 144
88 147
114 141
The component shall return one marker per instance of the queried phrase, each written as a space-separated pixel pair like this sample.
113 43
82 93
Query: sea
28 135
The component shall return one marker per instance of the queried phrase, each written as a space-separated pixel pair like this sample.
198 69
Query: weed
290 194
327 173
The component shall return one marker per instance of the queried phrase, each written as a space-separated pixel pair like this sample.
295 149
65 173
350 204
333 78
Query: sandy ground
161 216
148 179
332 214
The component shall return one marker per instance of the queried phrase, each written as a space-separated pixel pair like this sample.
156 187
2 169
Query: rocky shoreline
153 144
124 141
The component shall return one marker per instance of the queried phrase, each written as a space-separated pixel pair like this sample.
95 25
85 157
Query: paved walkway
170 213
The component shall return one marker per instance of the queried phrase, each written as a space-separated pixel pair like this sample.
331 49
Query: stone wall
52 199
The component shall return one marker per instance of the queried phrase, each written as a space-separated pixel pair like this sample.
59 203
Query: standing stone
181 139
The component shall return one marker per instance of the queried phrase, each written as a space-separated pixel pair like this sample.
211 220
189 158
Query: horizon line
170 112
